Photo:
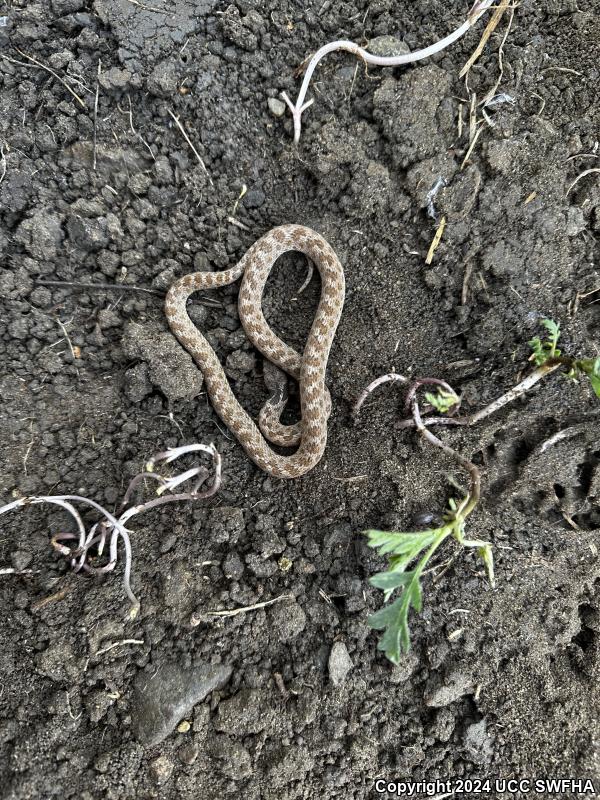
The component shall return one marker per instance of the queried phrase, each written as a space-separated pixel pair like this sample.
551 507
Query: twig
188 140
96 113
120 643
301 105
52 598
436 240
116 287
3 164
63 328
146 8
13 571
490 28
233 612
489 95
579 177
47 69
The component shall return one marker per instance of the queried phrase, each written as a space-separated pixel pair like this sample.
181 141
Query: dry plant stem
115 287
111 528
552 365
189 141
47 69
475 490
301 105
391 376
490 28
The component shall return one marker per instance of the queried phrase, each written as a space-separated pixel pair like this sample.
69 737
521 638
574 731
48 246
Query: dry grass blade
436 240
490 28
189 141
582 175
51 71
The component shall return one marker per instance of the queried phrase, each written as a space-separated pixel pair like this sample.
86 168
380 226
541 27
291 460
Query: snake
308 368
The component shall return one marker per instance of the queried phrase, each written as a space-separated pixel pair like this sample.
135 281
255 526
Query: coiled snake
310 434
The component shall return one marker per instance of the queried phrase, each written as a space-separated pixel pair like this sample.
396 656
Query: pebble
387 46
169 366
455 686
276 107
162 698
339 663
115 78
188 753
161 769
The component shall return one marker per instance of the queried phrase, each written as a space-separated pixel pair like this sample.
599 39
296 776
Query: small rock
161 769
226 524
162 698
62 7
387 46
115 78
88 234
188 753
455 686
59 663
21 559
233 567
478 744
402 672
240 362
276 107
170 367
162 81
575 222
291 765
254 198
41 235
339 663
137 384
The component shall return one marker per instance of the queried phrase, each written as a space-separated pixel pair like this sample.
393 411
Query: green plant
403 549
410 552
545 350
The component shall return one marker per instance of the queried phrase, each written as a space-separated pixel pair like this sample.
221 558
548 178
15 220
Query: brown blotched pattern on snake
309 369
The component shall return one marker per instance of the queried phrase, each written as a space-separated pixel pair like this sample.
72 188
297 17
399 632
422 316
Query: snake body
308 369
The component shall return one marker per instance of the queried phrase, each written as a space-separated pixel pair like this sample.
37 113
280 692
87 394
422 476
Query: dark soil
499 682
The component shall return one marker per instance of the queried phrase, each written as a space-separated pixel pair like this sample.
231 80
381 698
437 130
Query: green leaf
553 329
442 400
390 580
415 594
595 381
544 350
393 619
591 367
400 543
488 559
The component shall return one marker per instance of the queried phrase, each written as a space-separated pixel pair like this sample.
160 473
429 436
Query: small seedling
545 350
